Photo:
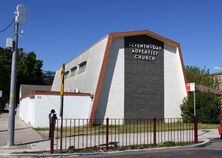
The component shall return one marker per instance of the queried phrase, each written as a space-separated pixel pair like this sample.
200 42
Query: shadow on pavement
37 141
15 129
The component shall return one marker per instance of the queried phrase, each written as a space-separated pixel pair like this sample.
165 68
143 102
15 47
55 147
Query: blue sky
58 30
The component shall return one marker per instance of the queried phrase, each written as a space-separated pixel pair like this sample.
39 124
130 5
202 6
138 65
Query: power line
8 26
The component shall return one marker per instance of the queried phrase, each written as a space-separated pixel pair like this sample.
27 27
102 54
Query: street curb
30 152
202 144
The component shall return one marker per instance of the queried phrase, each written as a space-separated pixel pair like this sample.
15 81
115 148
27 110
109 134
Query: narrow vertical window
66 75
73 71
82 67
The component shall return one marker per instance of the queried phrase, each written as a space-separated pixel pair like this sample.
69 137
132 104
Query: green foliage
206 107
200 76
29 68
206 103
171 143
28 71
41 129
72 149
167 144
5 69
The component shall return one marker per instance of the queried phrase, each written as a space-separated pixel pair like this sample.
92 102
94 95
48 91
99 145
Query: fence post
154 131
195 129
52 129
107 133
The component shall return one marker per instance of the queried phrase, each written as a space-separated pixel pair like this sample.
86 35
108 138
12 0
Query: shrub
206 108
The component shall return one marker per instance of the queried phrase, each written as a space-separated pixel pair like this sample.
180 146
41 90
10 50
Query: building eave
54 93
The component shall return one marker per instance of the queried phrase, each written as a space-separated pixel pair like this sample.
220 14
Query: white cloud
217 68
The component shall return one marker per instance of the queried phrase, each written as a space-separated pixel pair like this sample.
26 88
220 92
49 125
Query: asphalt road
213 150
188 153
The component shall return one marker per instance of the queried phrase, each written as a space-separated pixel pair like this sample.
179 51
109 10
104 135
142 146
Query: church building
136 74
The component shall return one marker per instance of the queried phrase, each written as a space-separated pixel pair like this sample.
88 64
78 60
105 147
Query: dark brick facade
144 77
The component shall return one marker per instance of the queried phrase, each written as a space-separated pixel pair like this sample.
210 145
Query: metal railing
104 133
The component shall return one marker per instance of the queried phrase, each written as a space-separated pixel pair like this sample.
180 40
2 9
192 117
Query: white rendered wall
174 83
36 110
114 83
26 110
86 81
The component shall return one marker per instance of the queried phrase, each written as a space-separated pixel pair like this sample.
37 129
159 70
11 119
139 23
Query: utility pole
19 19
12 101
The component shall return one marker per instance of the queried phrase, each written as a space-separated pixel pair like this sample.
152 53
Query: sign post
194 101
61 102
191 88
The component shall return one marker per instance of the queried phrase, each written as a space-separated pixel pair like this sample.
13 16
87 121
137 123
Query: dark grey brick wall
144 78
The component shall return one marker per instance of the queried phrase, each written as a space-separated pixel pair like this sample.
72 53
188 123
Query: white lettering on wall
147 52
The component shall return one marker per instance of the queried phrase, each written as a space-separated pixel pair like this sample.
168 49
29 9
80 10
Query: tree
5 69
200 76
29 71
206 103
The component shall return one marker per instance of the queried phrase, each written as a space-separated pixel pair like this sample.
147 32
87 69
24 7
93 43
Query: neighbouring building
48 77
25 89
137 74
218 77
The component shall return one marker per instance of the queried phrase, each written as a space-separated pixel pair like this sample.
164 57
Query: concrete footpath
25 136
28 140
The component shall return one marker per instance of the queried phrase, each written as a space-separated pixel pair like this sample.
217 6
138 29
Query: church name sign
146 52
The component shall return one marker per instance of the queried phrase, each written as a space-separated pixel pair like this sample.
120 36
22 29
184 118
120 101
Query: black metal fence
79 134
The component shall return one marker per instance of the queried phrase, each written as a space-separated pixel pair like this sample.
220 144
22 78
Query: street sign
62 80
190 87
